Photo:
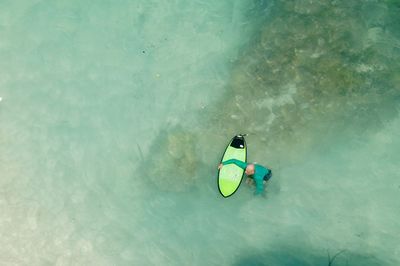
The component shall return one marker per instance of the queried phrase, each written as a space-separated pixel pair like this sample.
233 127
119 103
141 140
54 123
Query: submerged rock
172 161
314 69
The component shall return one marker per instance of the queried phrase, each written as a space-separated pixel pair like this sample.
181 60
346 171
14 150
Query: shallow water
114 115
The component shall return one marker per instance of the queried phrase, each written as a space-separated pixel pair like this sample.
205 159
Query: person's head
249 169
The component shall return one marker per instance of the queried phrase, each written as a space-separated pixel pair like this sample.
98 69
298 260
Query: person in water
254 171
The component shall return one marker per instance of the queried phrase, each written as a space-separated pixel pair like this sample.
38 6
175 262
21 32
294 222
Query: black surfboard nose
238 142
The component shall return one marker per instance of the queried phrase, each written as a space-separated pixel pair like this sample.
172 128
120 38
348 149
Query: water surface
115 114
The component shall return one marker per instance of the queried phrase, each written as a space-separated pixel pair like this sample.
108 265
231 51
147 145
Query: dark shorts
268 176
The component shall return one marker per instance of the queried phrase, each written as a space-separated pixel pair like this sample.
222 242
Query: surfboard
230 176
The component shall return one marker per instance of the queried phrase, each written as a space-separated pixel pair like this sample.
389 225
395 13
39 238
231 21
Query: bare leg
266 183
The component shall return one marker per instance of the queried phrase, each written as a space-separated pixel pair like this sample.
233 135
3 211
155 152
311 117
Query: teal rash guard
259 173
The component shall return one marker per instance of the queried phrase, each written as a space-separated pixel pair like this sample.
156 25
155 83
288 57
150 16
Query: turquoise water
114 116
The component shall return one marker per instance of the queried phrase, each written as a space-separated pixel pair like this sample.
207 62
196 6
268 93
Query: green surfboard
230 176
